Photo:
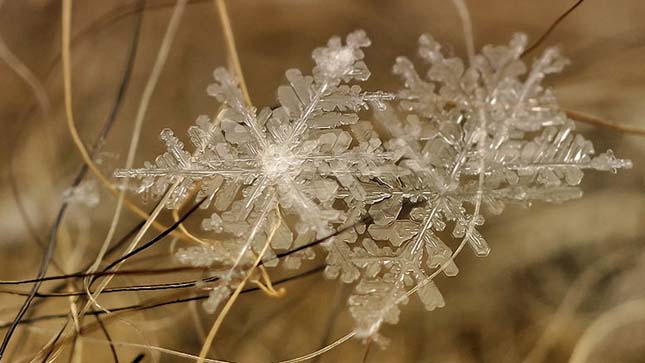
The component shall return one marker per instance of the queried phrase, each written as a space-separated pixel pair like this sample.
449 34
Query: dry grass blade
559 279
594 121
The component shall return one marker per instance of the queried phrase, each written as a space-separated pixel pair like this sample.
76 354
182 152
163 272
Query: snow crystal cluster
392 214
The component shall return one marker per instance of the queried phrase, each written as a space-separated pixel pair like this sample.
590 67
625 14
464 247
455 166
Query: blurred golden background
559 276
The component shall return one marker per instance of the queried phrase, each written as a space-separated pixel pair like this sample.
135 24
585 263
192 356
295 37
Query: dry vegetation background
559 276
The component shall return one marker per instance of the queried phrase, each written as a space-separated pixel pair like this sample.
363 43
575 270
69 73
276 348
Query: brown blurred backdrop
587 254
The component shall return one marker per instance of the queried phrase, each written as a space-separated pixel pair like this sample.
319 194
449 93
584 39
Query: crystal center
278 160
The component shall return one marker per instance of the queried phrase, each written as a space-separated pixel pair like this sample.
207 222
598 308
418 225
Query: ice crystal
86 194
484 134
461 139
299 157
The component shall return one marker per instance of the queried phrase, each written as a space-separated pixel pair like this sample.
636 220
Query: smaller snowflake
483 135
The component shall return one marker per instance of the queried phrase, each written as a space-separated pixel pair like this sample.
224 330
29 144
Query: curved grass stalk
231 47
71 124
176 353
573 298
171 30
208 342
624 314
594 121
160 61
466 23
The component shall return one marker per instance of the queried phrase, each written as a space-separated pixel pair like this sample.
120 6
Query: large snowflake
462 138
296 159
486 134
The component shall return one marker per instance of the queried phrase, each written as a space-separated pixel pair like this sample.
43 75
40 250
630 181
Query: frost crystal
463 138
487 134
86 193
299 157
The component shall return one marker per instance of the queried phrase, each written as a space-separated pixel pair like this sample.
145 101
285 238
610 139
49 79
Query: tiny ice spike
484 134
301 156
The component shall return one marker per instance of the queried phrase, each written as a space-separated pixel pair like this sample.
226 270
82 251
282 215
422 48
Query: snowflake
85 194
462 139
487 134
254 166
